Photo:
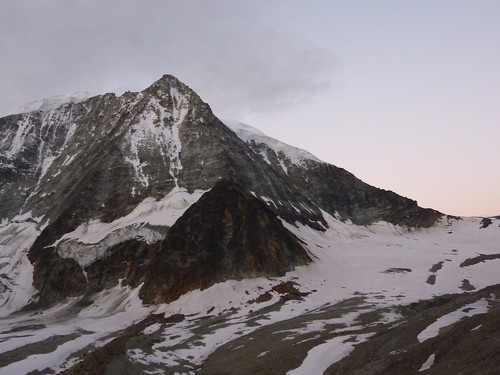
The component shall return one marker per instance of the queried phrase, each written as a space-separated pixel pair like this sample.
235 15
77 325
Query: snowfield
355 270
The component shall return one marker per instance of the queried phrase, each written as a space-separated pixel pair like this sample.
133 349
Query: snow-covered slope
282 150
54 102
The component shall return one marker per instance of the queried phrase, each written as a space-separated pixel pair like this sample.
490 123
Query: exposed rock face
227 234
98 158
338 190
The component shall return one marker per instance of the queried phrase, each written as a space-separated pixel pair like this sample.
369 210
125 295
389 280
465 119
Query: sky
404 94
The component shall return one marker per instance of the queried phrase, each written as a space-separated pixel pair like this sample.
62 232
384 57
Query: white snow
24 127
46 163
134 159
324 355
428 363
344 252
52 125
479 307
341 255
292 154
151 329
268 200
89 241
54 102
117 309
86 254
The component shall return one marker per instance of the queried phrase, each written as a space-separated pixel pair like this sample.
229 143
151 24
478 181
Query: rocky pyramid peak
170 86
168 80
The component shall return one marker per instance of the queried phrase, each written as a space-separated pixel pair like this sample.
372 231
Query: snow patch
428 363
24 127
158 129
323 356
478 307
116 309
86 254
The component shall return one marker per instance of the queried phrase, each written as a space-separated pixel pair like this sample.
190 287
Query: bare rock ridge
97 160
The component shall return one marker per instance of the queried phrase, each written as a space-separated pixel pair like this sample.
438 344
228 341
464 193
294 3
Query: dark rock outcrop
227 234
486 222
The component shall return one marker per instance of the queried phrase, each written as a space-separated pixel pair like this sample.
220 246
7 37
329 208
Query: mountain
93 162
127 220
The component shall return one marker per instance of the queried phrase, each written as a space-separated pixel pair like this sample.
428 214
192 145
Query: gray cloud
228 51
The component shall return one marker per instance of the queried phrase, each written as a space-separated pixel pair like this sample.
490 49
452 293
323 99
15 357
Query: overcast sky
404 94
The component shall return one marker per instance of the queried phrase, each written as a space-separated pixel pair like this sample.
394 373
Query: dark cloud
228 51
